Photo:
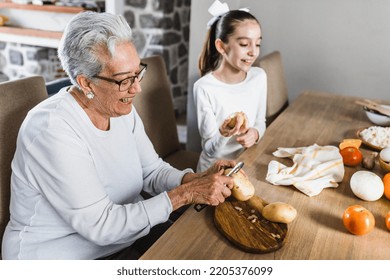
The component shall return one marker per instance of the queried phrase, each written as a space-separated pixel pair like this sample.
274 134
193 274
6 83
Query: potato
257 203
279 212
243 189
232 122
234 117
3 20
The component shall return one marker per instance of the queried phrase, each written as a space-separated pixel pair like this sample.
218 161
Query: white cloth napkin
314 168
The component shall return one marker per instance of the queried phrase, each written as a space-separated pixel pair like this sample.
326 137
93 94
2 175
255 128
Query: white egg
367 185
385 154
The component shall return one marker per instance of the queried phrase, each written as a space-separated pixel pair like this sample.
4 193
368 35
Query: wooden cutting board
247 229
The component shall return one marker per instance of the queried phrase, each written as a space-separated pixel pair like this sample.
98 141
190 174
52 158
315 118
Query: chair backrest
54 86
155 107
17 97
277 95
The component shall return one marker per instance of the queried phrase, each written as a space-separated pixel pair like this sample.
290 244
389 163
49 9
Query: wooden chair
16 99
277 95
155 106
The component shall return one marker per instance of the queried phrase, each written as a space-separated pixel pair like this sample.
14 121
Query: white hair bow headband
218 9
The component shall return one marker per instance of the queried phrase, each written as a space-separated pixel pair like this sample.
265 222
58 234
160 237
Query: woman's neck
99 121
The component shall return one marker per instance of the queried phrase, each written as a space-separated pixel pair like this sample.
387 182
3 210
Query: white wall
339 46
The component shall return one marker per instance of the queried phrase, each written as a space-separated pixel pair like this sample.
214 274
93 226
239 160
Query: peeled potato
279 212
243 189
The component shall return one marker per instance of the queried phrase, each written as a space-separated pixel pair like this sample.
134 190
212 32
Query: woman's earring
90 95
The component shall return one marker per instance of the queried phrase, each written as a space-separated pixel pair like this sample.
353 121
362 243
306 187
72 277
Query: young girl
230 89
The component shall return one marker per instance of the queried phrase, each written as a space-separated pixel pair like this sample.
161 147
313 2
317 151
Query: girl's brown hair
222 29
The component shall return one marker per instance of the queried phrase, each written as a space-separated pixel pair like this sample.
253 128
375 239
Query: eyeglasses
125 84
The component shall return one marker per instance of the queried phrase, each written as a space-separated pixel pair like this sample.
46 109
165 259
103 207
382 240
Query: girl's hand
235 125
249 138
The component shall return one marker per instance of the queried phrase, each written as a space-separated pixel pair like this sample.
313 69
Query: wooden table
318 231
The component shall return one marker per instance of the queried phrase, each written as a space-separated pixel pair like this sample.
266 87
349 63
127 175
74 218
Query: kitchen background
333 46
337 46
160 27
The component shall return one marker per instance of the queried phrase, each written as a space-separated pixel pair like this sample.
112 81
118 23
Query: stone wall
161 27
18 61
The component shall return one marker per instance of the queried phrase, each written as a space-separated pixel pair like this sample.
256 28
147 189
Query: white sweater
215 101
75 190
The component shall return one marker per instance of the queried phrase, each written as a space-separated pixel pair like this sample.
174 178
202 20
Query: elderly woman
83 158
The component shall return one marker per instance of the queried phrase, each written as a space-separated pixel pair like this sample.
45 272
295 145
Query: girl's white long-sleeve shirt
76 190
215 101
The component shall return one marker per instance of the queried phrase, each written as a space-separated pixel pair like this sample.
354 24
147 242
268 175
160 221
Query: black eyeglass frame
131 79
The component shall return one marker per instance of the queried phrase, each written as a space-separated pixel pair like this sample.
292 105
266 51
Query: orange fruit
358 220
351 156
386 183
387 220
350 143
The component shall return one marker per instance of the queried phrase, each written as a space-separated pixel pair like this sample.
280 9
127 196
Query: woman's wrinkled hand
220 165
211 189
